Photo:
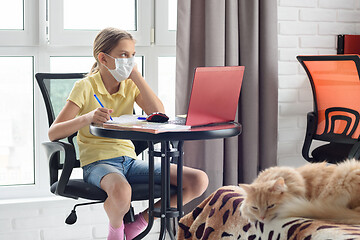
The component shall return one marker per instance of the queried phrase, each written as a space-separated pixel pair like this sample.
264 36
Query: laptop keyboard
178 121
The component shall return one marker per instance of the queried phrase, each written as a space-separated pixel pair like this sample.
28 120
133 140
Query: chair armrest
51 148
309 135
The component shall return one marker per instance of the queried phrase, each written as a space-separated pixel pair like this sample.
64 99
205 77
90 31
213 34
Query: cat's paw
252 221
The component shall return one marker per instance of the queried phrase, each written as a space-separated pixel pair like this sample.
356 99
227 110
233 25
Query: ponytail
94 69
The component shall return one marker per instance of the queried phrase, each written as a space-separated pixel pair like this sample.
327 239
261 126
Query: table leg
166 213
168 208
179 179
151 193
165 191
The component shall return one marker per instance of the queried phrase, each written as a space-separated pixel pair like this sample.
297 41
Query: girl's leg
195 182
117 204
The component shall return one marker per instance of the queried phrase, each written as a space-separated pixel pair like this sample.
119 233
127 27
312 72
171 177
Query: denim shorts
135 171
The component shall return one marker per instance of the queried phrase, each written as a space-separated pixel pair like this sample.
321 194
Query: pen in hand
101 104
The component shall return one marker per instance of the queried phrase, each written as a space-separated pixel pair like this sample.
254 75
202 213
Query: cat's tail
300 207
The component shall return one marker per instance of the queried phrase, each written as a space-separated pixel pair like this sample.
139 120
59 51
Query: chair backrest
55 88
336 90
348 44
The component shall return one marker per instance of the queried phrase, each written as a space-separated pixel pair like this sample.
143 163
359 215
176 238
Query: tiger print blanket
218 217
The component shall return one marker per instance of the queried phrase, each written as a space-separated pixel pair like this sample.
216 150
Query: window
78 22
167 83
166 23
17 27
57 36
73 64
122 12
172 15
12 15
16 140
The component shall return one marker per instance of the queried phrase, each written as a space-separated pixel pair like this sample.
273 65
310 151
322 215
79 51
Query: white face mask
123 68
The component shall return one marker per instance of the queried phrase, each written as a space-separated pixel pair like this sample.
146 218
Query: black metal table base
166 212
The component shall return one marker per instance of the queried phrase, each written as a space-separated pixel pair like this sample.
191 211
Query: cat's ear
279 185
247 188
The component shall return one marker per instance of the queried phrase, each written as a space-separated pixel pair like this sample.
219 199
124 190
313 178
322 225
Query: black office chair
55 89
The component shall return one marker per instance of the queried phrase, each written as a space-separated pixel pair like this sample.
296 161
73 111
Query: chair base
72 218
80 189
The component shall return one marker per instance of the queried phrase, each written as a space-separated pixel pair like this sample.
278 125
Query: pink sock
116 233
135 228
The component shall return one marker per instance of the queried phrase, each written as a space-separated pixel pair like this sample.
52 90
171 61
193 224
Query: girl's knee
203 179
196 182
120 193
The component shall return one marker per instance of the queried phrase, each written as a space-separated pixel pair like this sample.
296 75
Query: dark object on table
157 117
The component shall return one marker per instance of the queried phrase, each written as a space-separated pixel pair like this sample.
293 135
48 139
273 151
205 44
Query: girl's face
124 49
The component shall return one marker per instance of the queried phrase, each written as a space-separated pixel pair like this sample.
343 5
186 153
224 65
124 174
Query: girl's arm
67 123
147 99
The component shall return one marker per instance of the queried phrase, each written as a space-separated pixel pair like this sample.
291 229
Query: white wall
44 219
305 27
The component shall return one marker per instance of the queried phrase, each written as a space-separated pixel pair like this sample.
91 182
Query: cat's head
263 199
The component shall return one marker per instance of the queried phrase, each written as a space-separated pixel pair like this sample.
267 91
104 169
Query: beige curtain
228 33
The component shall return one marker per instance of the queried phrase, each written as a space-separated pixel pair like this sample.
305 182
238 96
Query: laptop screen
214 95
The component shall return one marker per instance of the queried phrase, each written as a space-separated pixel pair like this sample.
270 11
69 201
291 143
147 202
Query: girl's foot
135 228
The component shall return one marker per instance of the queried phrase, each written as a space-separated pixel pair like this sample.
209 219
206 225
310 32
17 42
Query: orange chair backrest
336 89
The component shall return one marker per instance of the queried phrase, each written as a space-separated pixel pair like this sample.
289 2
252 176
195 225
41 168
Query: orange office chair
62 155
336 90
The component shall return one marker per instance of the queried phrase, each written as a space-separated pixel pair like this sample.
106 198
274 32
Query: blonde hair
105 41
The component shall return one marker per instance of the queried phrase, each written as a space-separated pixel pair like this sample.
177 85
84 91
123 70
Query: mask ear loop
109 55
112 58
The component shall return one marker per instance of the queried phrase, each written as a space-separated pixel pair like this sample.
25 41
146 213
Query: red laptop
214 95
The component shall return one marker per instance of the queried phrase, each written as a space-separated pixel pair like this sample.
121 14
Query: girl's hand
135 74
99 115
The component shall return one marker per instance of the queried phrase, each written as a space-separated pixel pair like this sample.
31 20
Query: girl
111 163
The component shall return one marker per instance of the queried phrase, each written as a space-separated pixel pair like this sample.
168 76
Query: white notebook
137 123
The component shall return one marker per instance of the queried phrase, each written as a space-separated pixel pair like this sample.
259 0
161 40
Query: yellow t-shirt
93 148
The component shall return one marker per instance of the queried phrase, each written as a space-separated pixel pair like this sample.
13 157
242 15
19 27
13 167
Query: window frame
39 187
42 50
60 36
29 35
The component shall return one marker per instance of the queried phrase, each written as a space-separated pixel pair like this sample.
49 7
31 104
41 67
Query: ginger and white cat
317 190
